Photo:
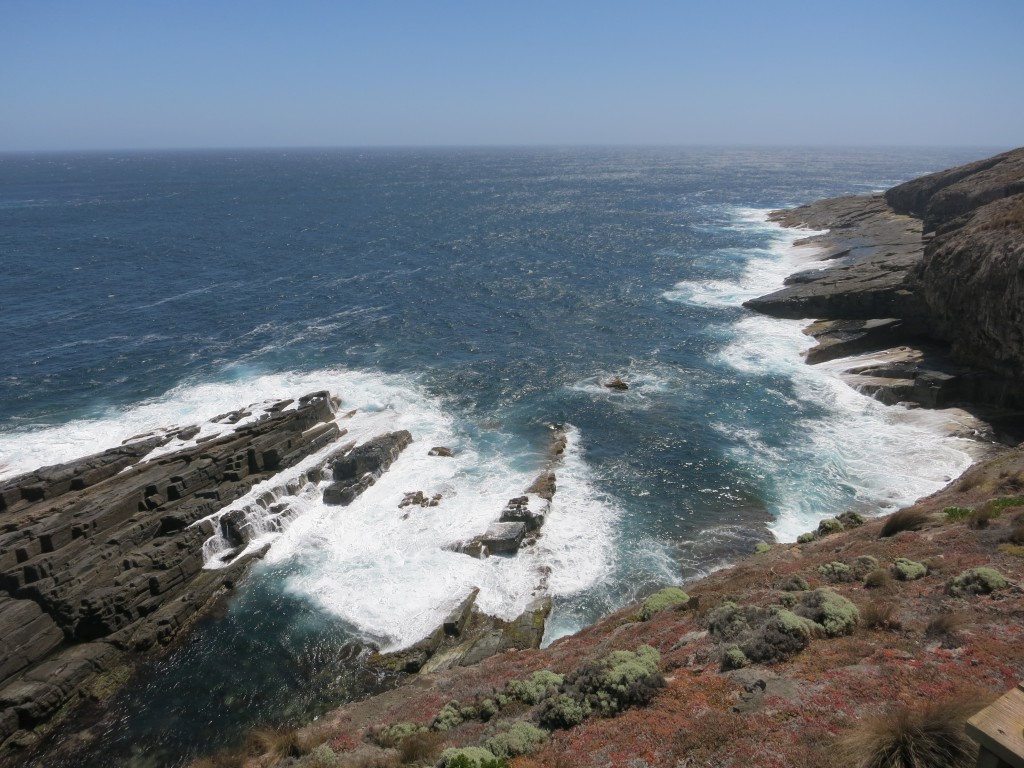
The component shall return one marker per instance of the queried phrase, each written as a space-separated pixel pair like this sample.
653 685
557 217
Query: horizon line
552 146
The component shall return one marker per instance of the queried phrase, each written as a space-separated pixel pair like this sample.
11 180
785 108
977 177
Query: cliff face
938 198
971 275
937 261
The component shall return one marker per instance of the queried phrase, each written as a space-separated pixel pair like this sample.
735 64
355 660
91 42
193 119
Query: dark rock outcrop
939 198
937 264
101 557
972 281
360 468
468 636
870 252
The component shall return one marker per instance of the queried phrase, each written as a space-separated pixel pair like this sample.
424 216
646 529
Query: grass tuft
879 615
946 625
909 519
914 736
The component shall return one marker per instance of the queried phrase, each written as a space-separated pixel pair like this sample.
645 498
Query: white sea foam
646 383
391 573
860 452
765 271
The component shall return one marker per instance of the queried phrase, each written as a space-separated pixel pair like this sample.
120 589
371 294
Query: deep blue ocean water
476 297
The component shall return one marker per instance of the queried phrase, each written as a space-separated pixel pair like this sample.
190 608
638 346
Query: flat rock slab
503 538
870 252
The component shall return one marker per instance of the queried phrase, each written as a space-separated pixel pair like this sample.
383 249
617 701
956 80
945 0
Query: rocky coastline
924 283
108 560
920 294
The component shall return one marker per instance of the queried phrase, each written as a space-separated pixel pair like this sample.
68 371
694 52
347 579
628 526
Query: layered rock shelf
109 558
926 279
102 558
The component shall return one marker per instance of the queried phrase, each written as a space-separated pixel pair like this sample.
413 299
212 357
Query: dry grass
285 742
914 736
880 578
276 742
421 748
980 518
910 519
946 625
1016 534
879 615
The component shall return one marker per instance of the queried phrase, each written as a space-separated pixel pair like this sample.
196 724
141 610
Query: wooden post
999 731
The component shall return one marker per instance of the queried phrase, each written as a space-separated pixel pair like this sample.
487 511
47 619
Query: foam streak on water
849 450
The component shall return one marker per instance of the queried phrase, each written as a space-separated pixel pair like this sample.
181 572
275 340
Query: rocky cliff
936 263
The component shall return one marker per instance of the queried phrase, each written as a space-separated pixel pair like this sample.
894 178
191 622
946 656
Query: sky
150 74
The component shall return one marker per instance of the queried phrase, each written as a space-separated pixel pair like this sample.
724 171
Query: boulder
503 538
529 510
459 615
359 469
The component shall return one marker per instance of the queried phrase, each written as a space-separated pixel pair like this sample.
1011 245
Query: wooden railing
999 731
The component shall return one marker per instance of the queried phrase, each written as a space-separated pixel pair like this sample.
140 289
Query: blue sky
120 74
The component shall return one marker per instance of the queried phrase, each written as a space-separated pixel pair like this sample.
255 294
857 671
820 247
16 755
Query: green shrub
957 513
907 570
617 681
662 599
977 581
829 526
488 709
535 687
836 571
448 718
390 735
469 757
321 757
730 621
788 600
761 547
795 583
1013 550
762 635
564 711
863 565
1005 503
781 635
836 615
518 740
805 538
734 658
851 519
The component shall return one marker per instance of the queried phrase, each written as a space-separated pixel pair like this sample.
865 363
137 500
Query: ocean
479 298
